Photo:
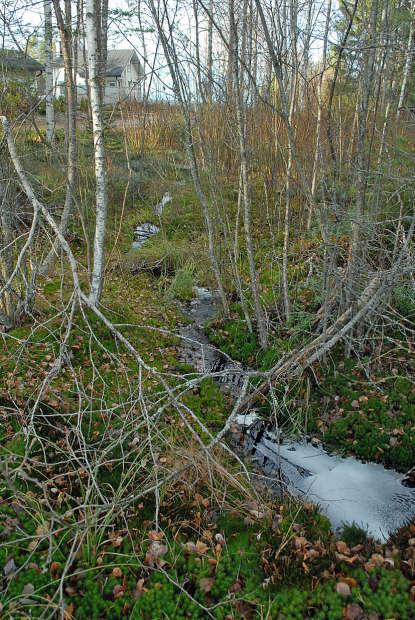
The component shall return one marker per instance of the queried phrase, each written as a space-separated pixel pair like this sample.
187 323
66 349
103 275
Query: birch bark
101 199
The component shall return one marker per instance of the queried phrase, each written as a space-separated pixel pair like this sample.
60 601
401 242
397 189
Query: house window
112 83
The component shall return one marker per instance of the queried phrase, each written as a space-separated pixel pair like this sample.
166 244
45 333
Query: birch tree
93 37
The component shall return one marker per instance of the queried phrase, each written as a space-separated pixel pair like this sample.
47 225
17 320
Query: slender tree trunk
230 60
408 62
65 31
175 74
197 51
93 42
7 309
246 199
357 249
317 148
209 59
103 46
49 85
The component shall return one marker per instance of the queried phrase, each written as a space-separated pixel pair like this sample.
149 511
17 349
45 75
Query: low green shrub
181 287
160 256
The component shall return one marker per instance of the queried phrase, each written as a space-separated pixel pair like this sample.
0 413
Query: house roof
16 59
117 60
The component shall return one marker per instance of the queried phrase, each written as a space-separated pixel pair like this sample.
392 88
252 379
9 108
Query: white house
123 77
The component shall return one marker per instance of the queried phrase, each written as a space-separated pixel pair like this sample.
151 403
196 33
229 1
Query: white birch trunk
99 151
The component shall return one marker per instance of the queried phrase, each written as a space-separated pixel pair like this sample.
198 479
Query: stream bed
346 489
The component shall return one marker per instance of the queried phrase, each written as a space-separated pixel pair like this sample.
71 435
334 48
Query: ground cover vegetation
290 173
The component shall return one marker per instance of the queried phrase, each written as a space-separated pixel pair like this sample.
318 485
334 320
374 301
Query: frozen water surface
142 232
346 489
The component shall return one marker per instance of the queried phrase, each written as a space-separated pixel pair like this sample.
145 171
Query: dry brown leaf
345 558
201 547
342 547
68 614
116 572
54 568
343 589
351 581
206 584
115 539
118 591
353 612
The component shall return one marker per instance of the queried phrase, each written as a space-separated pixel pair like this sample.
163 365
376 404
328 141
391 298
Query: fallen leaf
353 612
154 535
116 572
115 539
343 589
9 568
201 547
139 589
206 584
54 568
342 547
300 542
28 589
118 591
154 554
68 613
351 581
236 587
340 557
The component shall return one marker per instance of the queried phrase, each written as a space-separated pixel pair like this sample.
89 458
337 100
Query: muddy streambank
346 489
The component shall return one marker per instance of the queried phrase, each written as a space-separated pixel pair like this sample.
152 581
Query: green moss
208 403
375 425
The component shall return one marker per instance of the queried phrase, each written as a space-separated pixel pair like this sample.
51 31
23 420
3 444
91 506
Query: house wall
60 87
128 86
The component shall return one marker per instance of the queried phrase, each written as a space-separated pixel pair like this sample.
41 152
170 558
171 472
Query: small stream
346 489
